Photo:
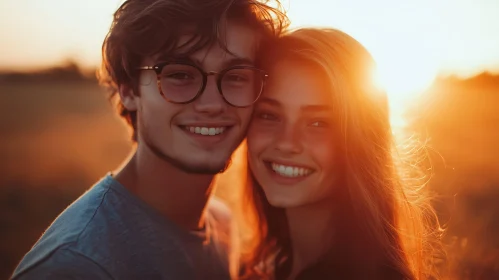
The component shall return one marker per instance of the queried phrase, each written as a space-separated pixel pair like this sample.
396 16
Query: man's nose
210 101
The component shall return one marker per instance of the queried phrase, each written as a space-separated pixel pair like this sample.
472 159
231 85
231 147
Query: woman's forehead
295 84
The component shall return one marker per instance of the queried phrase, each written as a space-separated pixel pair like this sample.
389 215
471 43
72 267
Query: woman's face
293 138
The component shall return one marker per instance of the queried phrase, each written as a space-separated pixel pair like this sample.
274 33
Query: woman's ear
128 97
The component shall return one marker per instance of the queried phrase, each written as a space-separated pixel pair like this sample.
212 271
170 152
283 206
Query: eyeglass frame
158 67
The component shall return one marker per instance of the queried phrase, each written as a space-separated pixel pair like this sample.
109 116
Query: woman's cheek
258 138
262 129
321 147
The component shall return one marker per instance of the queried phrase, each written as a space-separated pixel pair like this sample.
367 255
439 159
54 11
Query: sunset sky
412 40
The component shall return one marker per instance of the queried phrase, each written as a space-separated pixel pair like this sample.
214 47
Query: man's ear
128 97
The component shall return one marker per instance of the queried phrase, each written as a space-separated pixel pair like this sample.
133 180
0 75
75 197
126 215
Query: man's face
182 133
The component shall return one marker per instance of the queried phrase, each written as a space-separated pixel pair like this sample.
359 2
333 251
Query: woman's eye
319 124
266 116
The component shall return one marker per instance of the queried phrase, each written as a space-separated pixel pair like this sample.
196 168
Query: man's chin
207 169
199 167
197 164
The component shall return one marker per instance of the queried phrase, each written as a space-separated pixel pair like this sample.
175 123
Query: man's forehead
234 43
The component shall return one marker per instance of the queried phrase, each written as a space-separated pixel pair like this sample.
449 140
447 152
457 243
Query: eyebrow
238 61
315 108
233 61
269 101
305 108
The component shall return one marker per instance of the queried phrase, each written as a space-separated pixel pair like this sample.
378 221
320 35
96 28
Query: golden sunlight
412 42
403 82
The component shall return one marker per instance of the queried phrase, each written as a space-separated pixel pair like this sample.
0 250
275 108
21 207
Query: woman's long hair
385 226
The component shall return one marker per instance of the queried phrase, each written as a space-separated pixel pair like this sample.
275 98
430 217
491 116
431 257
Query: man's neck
177 195
311 232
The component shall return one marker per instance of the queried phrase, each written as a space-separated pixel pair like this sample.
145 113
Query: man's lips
206 129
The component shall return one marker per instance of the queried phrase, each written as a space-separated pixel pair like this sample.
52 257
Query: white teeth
290 171
208 131
281 169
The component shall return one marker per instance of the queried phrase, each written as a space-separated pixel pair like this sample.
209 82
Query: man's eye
237 78
179 76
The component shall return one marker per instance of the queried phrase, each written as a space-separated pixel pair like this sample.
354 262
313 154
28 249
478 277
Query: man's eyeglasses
182 83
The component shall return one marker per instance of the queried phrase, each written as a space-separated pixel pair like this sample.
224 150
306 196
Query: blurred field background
60 135
438 61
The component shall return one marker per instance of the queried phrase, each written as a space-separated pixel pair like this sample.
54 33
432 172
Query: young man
186 79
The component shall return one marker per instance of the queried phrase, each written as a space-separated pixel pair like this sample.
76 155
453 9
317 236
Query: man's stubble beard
186 167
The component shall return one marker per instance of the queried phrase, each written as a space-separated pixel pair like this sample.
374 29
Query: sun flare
403 81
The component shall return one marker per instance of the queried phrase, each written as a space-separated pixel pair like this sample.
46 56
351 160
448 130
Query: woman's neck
311 231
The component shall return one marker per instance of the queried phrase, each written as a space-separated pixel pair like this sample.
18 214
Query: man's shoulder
67 228
72 261
63 263
75 219
110 228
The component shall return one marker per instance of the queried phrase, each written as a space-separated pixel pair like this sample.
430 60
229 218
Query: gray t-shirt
108 233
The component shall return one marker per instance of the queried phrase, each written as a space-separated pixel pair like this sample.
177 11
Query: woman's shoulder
219 223
219 211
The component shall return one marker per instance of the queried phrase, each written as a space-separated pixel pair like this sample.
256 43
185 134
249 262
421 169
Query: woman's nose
289 140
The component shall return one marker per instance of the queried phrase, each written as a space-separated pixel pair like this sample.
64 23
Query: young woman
327 197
